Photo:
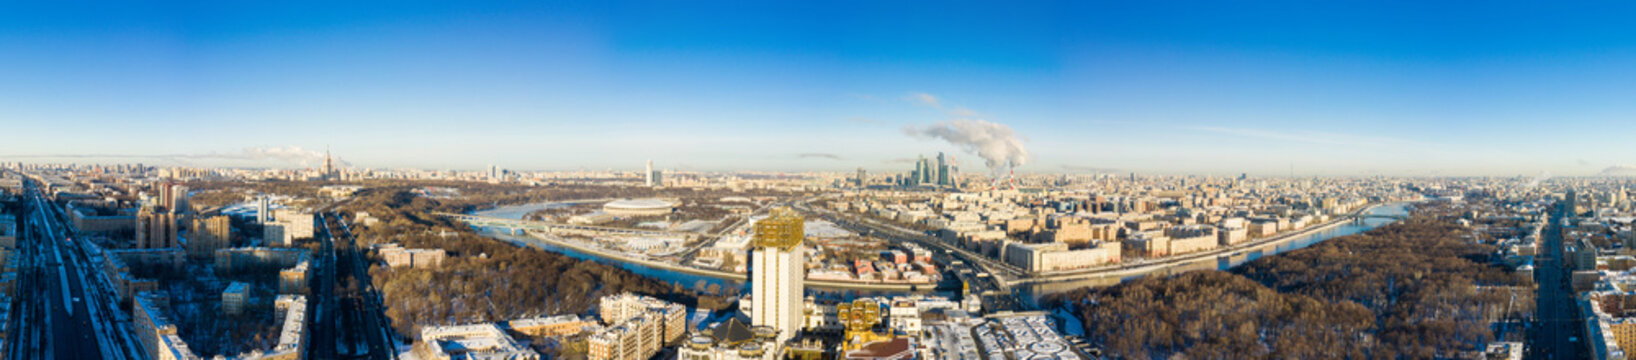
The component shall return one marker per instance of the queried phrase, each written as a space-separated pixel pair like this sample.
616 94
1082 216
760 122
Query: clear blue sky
1359 88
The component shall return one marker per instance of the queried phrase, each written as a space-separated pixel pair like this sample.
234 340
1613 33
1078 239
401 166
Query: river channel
1029 293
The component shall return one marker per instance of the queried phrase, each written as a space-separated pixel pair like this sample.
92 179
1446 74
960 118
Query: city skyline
1419 89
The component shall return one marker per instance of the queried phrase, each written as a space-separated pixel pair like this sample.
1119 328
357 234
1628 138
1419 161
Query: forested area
1216 315
485 279
482 279
1412 289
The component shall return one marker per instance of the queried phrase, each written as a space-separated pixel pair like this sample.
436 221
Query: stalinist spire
329 167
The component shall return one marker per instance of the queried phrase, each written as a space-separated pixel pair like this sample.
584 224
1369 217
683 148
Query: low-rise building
1191 238
1057 256
634 338
295 264
561 325
296 225
638 326
8 232
235 297
1232 236
671 317
474 341
731 340
116 265
1610 331
154 329
397 256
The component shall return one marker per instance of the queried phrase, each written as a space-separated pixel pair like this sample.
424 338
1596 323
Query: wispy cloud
819 156
935 102
1311 137
925 99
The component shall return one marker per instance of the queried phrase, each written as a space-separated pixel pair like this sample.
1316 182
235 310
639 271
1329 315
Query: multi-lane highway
357 327
975 270
1558 335
68 310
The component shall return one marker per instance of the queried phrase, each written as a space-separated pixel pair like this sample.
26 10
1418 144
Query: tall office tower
928 176
649 172
861 178
920 171
942 170
777 272
206 235
263 214
494 172
155 229
1570 203
165 195
178 200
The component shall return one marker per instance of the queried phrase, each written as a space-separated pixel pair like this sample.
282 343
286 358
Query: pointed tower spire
329 167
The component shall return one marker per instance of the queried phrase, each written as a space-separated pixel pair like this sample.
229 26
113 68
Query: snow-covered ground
814 228
825 229
248 208
697 226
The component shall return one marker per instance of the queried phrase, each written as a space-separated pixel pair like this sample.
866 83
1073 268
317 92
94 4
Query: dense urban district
140 262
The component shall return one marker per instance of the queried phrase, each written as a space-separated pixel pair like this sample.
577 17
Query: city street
358 317
72 314
1559 320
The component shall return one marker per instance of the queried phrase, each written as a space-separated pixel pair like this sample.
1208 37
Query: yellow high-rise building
777 273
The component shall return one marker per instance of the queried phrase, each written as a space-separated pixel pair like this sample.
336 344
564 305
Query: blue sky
1332 88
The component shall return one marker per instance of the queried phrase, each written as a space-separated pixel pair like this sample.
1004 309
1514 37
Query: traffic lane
71 335
74 335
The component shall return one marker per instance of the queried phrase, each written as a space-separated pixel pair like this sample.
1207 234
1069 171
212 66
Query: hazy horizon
1399 88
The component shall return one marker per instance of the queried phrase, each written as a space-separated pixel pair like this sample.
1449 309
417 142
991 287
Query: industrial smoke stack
997 144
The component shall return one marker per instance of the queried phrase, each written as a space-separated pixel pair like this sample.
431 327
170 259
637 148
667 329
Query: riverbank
1123 270
1257 248
725 275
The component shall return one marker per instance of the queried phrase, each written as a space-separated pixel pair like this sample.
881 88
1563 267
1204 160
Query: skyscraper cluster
926 173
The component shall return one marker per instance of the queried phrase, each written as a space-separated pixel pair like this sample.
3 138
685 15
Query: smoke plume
1618 170
1543 175
997 144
